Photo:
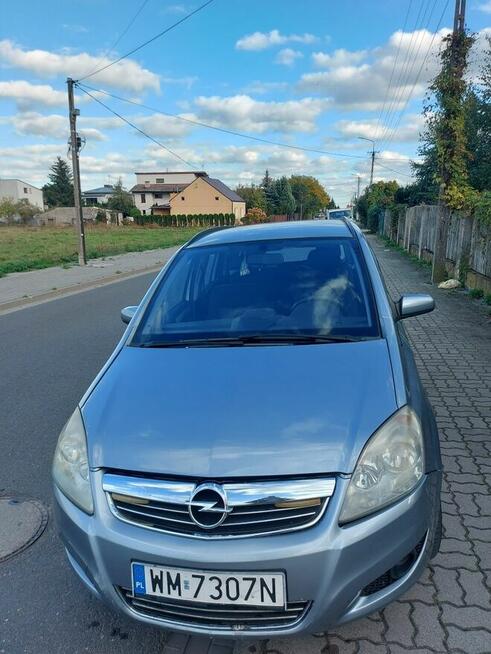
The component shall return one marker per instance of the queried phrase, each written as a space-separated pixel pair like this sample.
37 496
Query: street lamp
364 138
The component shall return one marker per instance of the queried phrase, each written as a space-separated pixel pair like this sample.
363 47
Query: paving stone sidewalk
449 610
18 289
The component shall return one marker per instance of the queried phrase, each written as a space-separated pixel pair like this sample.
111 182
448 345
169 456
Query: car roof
271 231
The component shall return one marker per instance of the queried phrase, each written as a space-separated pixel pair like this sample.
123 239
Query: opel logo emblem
208 506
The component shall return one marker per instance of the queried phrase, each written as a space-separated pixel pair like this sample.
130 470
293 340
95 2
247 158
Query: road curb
25 302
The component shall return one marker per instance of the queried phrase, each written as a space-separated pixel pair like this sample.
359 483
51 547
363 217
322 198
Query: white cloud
126 74
49 126
287 57
30 96
359 79
233 154
186 81
339 57
209 156
25 94
408 131
244 113
158 125
109 122
263 40
486 7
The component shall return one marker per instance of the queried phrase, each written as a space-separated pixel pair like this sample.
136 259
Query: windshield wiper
300 338
252 339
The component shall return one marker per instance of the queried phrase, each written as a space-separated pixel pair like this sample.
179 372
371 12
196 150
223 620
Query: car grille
253 509
210 616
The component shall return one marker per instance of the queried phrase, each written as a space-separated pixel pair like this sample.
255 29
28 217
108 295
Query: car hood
239 411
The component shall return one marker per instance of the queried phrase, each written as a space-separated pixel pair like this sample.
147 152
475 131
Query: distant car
338 214
257 457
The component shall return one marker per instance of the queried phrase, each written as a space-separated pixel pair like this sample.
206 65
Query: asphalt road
48 355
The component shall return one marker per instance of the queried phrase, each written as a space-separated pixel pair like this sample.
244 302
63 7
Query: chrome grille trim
163 505
231 618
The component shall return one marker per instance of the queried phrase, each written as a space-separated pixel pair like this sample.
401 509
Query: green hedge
191 220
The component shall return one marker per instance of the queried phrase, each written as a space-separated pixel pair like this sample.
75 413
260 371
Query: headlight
70 464
391 465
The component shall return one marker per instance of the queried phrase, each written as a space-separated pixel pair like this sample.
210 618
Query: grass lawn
29 248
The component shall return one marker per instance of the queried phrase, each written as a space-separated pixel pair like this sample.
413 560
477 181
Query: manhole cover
23 520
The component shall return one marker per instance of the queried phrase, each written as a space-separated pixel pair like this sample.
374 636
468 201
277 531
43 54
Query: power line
403 74
125 31
154 38
118 39
221 129
174 154
395 62
401 113
392 170
390 130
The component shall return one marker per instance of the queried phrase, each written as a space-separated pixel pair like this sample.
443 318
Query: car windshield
262 289
340 213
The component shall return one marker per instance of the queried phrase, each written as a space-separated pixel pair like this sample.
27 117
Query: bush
254 216
373 218
187 220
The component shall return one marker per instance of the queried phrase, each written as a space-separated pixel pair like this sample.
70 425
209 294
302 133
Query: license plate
205 586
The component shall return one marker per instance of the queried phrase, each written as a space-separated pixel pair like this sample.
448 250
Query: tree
266 183
26 211
8 210
59 191
374 200
271 194
446 139
121 200
309 195
254 196
285 202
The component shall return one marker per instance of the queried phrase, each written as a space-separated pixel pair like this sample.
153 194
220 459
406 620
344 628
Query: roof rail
205 232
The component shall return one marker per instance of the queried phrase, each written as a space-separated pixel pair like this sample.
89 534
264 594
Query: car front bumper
326 565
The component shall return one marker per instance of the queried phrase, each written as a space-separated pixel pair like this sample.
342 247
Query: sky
316 74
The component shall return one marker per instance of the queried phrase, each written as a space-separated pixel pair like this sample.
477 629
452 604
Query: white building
16 189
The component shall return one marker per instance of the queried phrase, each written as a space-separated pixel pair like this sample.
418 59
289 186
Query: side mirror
127 314
414 304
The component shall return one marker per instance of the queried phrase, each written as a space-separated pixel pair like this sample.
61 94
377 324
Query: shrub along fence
189 220
468 248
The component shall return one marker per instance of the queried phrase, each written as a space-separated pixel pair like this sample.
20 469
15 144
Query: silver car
257 457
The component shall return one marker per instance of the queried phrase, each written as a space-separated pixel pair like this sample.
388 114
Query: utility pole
358 181
438 271
372 155
373 164
74 147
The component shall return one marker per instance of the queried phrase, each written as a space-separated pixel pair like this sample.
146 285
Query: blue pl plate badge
139 587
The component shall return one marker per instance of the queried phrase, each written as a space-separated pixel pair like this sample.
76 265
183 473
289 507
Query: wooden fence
468 248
